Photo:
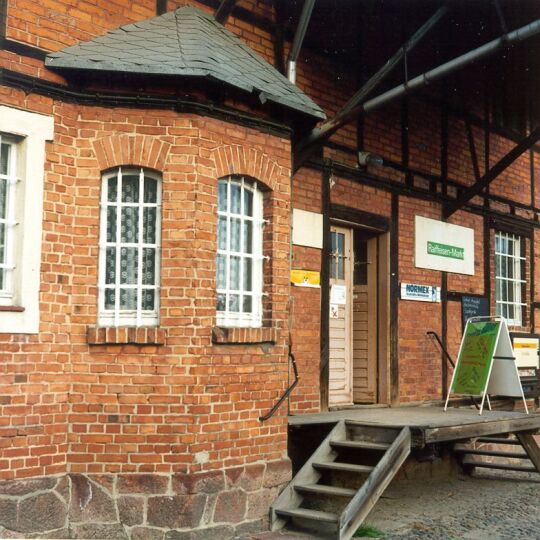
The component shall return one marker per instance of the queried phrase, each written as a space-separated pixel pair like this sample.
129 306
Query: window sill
221 335
96 335
12 309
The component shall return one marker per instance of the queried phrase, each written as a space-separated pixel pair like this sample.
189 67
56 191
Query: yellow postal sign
305 278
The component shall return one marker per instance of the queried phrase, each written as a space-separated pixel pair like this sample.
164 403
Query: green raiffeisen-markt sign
475 357
444 250
443 246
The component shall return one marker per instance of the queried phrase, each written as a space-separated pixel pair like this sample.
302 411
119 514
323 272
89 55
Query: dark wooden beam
531 446
224 10
394 296
404 120
3 19
375 222
352 108
325 288
493 173
472 150
161 7
278 37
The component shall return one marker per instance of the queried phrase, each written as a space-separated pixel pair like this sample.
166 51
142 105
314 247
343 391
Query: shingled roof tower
185 43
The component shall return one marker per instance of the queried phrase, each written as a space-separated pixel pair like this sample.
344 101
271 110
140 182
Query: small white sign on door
338 295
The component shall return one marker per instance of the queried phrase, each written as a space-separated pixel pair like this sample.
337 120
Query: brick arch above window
247 161
138 150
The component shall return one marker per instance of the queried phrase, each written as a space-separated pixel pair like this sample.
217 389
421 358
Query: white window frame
124 317
8 265
228 318
29 132
510 257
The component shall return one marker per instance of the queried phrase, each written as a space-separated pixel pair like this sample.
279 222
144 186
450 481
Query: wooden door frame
348 277
380 225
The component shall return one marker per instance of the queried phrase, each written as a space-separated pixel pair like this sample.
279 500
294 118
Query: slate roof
185 42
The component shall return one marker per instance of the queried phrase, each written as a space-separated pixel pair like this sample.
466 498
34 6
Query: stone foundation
217 505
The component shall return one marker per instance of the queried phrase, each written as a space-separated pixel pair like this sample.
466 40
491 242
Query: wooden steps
348 467
304 513
498 440
342 480
505 456
464 449
321 489
502 466
363 445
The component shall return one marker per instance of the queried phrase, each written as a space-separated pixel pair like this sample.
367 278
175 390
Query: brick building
159 179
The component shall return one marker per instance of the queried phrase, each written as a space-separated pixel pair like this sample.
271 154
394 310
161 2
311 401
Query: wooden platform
429 424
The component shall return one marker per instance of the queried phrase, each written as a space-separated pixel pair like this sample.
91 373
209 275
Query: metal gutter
148 101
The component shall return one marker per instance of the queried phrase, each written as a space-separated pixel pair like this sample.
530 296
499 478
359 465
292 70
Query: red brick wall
55 24
306 302
461 282
513 182
424 137
419 363
150 408
52 25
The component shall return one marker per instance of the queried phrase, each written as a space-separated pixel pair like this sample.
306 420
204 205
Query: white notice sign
443 246
338 295
526 352
422 293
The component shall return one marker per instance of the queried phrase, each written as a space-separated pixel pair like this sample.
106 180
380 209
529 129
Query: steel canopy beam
224 10
495 171
521 34
351 108
299 36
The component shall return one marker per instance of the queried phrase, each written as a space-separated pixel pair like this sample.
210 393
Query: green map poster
475 357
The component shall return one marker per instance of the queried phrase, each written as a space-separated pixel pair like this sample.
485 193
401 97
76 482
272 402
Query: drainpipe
521 34
307 9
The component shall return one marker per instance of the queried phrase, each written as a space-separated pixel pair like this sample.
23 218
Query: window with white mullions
239 253
509 266
337 255
8 183
130 248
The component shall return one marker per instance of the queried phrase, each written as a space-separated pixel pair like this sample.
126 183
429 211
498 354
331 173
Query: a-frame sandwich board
486 364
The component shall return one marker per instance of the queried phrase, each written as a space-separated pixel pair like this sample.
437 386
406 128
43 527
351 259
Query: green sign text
444 250
475 357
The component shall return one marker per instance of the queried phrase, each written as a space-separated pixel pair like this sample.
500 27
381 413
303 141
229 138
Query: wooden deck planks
431 424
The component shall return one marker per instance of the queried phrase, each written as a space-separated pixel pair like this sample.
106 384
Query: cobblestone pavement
490 505
494 505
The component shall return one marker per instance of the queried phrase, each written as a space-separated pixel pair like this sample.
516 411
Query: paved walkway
491 505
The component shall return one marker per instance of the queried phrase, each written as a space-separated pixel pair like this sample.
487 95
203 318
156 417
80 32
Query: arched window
130 248
239 253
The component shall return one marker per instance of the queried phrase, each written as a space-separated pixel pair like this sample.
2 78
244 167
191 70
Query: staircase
337 487
512 453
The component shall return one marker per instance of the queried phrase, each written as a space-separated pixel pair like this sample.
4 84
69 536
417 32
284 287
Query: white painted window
508 277
23 136
130 248
239 253
8 222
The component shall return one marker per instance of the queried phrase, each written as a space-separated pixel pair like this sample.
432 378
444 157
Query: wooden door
340 390
365 325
